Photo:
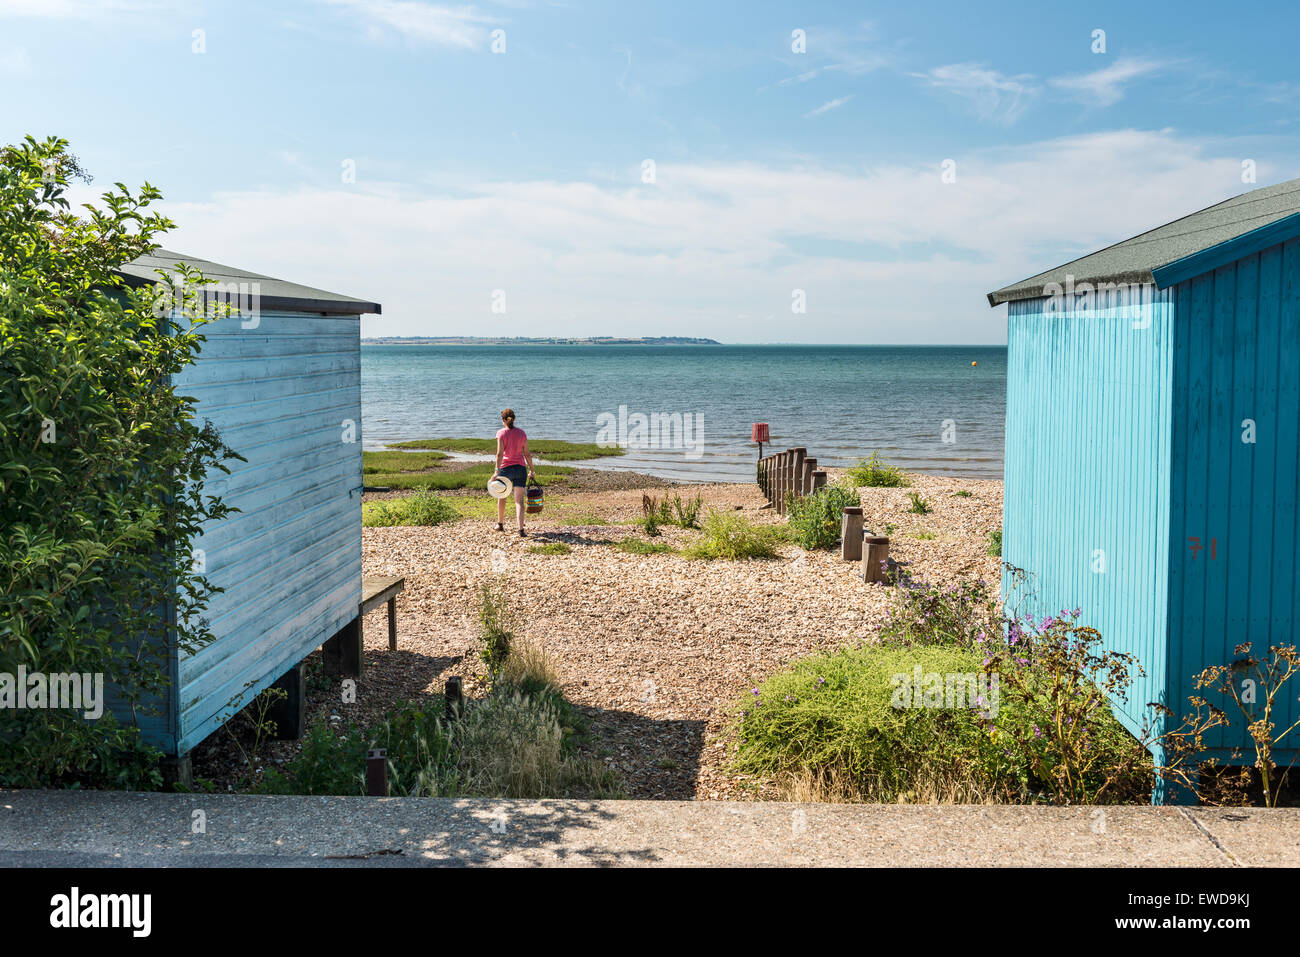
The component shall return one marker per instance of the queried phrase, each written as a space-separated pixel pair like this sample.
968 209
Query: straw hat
499 486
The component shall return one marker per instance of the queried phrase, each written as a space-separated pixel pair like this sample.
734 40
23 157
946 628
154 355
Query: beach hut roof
274 294
1182 249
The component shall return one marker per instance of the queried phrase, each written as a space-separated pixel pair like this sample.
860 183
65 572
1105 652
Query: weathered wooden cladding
286 396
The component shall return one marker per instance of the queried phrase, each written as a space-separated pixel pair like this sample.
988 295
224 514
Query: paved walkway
62 828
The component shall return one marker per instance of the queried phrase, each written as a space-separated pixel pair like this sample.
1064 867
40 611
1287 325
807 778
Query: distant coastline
538 341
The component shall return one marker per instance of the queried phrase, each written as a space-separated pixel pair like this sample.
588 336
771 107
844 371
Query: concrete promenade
74 828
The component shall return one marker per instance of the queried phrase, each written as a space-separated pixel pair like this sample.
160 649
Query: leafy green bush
832 716
995 542
919 505
1049 735
816 519
423 507
327 764
102 465
874 473
727 535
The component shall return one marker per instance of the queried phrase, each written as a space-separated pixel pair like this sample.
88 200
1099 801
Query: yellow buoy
974 363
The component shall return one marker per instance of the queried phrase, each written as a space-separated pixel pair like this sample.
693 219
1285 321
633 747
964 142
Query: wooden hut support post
289 713
342 653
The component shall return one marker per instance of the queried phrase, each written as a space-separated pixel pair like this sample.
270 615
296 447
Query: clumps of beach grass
725 535
654 513
686 512
925 535
529 669
550 548
639 546
657 512
497 625
961 493
586 518
511 744
424 507
815 519
919 505
875 473
995 542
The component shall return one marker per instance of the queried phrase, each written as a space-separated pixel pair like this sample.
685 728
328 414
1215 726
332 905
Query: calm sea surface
842 402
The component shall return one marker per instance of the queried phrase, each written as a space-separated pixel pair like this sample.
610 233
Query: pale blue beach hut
1153 409
281 382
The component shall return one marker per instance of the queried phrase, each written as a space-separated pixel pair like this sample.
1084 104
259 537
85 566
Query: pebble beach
653 649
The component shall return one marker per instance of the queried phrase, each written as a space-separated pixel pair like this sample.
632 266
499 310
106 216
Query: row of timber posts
788 474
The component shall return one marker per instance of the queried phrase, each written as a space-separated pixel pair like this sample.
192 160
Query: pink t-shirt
512 446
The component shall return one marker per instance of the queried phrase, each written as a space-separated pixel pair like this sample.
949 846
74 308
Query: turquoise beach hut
281 382
1153 409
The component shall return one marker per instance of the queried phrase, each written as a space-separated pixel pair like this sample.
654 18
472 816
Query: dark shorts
516 473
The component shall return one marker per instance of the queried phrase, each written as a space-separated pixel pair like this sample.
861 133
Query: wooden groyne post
789 474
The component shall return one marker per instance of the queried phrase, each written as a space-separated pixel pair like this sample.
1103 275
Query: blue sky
522 171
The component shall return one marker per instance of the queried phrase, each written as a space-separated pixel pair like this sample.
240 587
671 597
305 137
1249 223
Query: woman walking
512 454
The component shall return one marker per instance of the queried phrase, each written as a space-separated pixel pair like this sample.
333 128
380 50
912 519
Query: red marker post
758 433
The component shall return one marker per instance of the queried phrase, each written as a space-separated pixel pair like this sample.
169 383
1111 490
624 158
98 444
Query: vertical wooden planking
1240 560
1198 328
1214 557
1237 360
1180 433
1286 562
1086 401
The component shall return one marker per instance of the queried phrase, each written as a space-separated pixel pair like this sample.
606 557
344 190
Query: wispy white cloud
1106 86
711 241
994 96
846 52
829 105
457 27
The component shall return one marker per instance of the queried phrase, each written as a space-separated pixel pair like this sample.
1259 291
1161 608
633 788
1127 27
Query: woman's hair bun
508 416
